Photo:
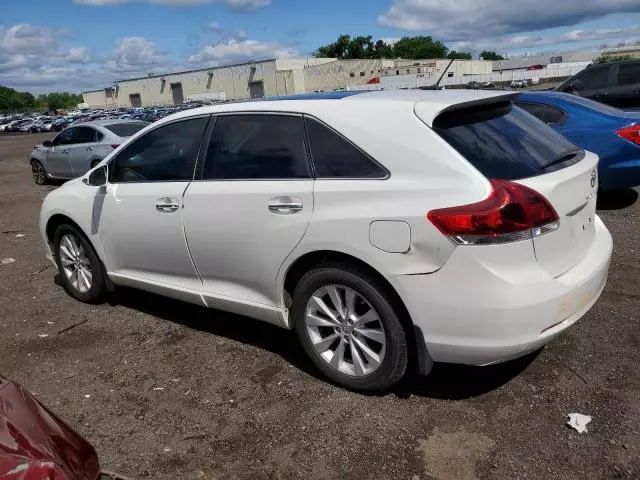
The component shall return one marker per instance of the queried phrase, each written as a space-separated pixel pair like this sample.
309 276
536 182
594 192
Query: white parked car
384 227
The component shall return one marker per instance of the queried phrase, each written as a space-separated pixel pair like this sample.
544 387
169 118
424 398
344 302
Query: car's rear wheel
38 172
95 162
82 273
349 328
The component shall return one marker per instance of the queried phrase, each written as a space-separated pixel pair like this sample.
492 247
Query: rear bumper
622 174
483 307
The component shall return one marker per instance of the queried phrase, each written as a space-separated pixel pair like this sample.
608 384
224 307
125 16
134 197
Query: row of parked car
56 123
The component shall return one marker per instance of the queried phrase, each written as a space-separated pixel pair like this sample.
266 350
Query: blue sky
75 45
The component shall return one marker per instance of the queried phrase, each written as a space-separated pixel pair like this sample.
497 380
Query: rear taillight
115 145
510 213
631 133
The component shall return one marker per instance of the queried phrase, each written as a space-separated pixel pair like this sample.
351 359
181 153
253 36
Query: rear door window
534 109
257 147
85 135
628 74
504 142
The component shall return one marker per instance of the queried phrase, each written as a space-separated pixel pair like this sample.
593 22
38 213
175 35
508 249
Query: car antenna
435 86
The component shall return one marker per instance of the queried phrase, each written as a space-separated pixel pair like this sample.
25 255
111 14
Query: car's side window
166 154
335 157
65 137
534 109
84 135
555 116
628 74
592 79
257 146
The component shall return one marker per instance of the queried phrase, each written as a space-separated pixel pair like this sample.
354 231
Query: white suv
384 227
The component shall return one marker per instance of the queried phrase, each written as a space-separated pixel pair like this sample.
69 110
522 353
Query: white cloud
472 19
244 5
136 52
595 37
236 49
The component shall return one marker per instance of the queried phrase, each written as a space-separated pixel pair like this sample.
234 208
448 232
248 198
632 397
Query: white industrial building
267 78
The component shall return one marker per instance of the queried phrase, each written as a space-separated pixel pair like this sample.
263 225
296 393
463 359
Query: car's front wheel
82 272
349 328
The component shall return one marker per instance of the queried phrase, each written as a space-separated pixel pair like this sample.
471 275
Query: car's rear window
593 105
126 129
504 142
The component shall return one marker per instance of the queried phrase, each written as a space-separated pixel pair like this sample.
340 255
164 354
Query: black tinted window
592 79
126 129
554 116
65 137
628 74
166 154
257 147
333 156
504 142
84 135
534 109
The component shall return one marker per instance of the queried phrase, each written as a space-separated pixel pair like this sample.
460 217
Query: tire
94 163
394 352
38 172
87 260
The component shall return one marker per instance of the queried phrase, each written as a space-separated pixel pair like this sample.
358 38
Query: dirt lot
171 391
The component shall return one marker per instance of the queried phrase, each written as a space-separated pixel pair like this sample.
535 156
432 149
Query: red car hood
37 445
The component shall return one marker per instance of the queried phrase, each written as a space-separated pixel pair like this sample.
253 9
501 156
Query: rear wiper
563 157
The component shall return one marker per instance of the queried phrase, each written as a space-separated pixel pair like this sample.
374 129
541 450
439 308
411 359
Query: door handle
285 205
167 205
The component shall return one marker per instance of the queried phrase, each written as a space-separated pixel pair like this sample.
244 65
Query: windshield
504 142
126 129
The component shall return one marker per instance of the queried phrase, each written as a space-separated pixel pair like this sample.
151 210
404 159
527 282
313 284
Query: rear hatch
504 142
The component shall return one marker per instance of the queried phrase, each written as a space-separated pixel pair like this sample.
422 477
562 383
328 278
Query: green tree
611 58
490 55
419 47
459 55
382 50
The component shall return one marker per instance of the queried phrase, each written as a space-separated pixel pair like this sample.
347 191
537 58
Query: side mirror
47 144
98 177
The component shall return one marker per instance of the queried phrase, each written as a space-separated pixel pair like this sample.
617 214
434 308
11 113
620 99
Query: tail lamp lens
511 212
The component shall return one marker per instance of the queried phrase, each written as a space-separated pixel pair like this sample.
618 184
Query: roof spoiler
429 115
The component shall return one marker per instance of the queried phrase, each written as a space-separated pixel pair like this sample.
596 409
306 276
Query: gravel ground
168 390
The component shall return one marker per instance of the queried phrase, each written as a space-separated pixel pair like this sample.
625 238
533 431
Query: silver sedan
78 148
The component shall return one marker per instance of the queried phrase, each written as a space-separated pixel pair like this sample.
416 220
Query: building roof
217 67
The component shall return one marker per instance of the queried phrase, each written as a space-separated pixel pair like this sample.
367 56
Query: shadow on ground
446 381
616 199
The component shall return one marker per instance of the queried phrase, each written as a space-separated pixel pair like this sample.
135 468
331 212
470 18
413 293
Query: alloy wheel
75 263
345 330
39 175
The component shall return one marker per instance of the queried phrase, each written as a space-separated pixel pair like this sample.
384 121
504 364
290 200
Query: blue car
611 133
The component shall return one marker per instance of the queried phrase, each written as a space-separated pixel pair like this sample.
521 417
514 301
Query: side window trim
112 162
207 140
365 154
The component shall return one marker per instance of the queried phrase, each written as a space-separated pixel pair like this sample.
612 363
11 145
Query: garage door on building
176 93
135 100
256 89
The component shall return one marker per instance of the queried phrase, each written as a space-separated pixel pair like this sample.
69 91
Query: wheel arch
310 260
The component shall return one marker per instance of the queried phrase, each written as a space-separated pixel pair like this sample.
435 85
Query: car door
593 83
625 92
58 163
249 209
138 215
82 151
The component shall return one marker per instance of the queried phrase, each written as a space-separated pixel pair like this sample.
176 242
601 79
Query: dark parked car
612 133
473 85
616 83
